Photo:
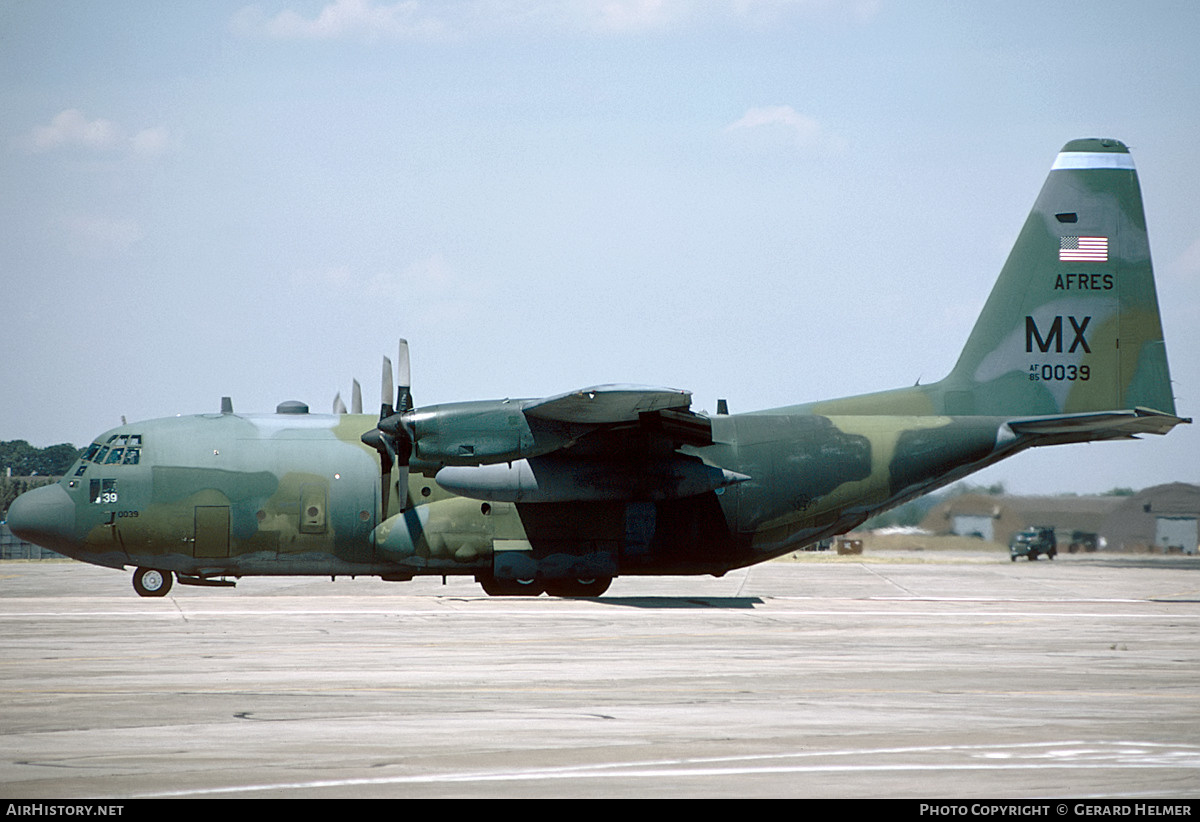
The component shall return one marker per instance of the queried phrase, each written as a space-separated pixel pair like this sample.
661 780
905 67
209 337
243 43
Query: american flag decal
1083 249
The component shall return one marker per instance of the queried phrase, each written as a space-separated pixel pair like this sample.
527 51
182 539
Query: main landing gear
567 588
151 582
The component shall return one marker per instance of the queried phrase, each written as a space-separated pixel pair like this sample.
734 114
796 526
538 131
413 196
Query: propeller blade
339 407
404 378
385 391
401 439
356 398
379 441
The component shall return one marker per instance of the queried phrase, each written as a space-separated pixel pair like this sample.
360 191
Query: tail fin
1072 325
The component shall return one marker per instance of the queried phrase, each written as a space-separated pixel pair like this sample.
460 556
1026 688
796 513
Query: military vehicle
1032 543
563 494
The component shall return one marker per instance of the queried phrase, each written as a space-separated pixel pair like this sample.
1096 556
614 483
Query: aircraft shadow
1175 563
680 602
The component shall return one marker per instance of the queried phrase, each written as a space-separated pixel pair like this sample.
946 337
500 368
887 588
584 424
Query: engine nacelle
479 433
547 479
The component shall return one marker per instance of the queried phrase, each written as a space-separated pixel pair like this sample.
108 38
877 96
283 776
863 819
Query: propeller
390 437
339 407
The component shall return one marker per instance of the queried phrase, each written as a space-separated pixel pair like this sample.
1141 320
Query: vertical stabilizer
1072 324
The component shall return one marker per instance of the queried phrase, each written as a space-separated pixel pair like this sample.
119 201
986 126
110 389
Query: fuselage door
212 531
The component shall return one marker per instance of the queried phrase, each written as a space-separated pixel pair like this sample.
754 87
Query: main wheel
593 587
151 582
510 587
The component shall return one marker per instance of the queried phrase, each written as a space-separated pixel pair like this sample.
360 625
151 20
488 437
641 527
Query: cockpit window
120 449
103 491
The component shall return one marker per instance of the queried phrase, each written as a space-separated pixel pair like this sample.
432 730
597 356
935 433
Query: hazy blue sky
763 200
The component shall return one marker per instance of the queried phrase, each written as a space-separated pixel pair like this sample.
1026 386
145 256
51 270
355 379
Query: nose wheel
151 582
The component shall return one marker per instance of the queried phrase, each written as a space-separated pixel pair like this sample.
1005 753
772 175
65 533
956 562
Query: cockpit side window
103 491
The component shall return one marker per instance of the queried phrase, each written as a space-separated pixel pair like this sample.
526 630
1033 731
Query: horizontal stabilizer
1097 425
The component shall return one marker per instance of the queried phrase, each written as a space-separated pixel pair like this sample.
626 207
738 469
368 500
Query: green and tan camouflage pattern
1068 348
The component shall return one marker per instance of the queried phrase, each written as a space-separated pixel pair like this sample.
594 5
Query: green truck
1031 542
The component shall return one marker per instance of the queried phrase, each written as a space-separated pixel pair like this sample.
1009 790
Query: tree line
13 487
20 459
22 466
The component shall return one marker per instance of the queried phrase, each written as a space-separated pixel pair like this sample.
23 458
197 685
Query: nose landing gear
151 582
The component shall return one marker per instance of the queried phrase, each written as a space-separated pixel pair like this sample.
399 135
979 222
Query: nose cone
44 516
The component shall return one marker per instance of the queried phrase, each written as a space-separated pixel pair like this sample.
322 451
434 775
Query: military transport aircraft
563 494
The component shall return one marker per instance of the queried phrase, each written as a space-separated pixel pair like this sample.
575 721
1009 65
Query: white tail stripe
1092 159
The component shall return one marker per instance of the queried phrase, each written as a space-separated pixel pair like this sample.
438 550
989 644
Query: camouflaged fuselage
298 494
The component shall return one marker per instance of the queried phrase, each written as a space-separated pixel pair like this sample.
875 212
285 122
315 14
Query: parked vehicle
1031 542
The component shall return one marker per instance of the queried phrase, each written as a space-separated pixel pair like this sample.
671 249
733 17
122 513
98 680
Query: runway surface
947 676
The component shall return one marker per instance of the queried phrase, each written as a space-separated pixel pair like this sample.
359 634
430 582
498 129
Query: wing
608 404
665 411
607 442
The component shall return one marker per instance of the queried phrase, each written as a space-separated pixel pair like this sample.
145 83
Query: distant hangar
1163 518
